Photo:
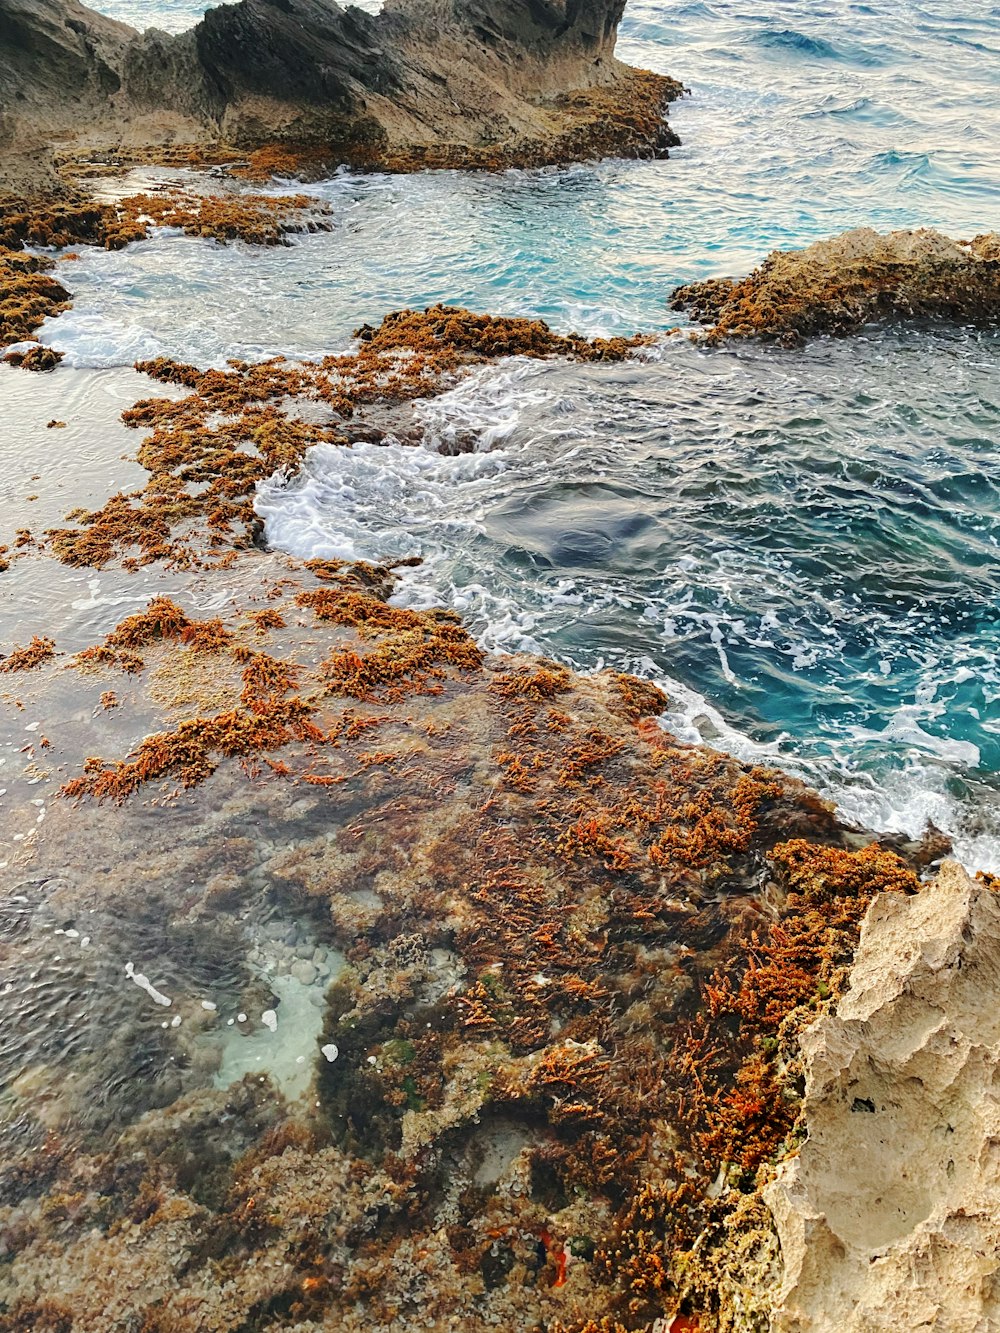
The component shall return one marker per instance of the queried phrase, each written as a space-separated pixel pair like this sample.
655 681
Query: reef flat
840 285
308 85
361 978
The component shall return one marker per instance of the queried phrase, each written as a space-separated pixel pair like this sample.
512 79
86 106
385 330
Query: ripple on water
808 540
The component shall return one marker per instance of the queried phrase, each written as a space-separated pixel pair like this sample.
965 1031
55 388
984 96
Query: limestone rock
889 1217
839 285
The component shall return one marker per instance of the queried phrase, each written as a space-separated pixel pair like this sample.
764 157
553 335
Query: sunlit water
802 544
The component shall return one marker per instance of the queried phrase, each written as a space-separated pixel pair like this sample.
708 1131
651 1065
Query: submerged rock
423 83
552 1062
838 286
889 1216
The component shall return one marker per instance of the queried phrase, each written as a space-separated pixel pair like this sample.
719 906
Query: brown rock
422 83
838 286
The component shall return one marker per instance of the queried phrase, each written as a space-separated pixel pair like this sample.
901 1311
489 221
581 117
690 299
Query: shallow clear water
804 544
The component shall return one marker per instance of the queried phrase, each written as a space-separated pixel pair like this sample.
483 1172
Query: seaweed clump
28 295
162 620
39 650
838 286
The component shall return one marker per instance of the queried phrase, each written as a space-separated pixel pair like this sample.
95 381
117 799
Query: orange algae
28 295
407 663
162 619
536 683
607 987
187 752
206 452
414 653
234 215
267 619
39 650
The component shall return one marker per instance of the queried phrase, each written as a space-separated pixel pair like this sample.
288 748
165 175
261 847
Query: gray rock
420 75
304 972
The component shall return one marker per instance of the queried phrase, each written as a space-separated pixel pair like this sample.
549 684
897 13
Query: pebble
304 972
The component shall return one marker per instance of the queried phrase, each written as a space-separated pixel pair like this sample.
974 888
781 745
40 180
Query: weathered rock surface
889 1217
838 286
423 82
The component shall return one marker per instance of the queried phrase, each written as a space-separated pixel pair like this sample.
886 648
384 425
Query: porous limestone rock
889 1217
839 285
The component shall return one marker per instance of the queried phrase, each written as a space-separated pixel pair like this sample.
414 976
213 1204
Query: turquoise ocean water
803 545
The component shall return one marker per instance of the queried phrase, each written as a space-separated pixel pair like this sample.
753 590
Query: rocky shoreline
560 1049
559 1060
307 86
358 979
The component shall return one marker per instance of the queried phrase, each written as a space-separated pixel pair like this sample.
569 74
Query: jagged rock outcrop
889 1217
838 286
424 82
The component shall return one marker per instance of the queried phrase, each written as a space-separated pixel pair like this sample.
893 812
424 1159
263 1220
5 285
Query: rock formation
889 1217
838 286
425 82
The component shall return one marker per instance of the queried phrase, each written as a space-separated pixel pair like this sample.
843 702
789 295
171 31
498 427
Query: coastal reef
840 285
355 978
362 980
307 85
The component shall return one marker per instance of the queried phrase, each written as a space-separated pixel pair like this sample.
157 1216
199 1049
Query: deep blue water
805 544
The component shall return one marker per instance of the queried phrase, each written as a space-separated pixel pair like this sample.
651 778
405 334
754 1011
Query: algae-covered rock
354 978
838 286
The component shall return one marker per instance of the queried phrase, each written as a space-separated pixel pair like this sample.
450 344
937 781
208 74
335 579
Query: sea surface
802 545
